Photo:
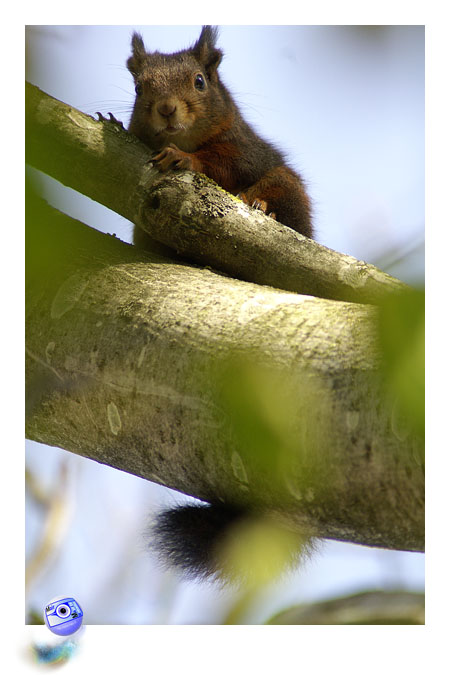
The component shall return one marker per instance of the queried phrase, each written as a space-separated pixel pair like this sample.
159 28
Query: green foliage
274 442
257 551
402 342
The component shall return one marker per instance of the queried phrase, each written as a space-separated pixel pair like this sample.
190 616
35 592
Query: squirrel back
188 118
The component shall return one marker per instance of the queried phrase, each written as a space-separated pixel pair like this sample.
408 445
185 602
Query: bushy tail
188 537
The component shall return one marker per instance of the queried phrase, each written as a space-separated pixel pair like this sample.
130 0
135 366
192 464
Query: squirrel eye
138 89
199 82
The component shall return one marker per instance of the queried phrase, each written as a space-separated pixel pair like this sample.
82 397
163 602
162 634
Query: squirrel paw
172 157
111 119
259 204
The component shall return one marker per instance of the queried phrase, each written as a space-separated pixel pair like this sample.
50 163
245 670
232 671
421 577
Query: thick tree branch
187 211
125 356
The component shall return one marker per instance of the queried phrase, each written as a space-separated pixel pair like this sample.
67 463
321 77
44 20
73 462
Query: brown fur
188 118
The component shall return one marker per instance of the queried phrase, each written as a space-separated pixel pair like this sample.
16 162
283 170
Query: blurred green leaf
402 342
262 405
257 550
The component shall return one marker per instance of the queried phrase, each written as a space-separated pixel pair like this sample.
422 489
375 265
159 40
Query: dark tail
188 537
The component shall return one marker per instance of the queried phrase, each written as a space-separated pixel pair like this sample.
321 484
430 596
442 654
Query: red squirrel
189 120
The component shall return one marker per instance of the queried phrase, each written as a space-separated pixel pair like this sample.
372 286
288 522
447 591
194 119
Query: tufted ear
205 50
136 61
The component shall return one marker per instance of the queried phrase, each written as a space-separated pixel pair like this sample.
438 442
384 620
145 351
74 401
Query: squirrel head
204 51
179 97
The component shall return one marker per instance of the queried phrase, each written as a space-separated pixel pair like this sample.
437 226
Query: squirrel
189 120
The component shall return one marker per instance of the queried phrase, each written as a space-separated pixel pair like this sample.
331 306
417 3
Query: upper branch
186 211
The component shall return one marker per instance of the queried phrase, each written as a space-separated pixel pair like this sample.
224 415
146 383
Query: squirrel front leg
171 157
216 162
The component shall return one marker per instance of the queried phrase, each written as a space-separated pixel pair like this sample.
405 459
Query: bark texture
125 354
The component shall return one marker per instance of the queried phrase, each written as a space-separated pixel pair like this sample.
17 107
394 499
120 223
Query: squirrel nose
166 109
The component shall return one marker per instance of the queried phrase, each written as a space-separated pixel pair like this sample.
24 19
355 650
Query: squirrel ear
205 52
136 60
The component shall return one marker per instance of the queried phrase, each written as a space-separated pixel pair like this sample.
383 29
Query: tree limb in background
371 607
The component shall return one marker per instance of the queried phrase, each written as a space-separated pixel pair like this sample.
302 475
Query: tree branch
188 212
370 607
127 356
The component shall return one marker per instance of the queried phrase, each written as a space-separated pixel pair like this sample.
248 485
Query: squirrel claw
258 204
171 157
242 197
111 119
